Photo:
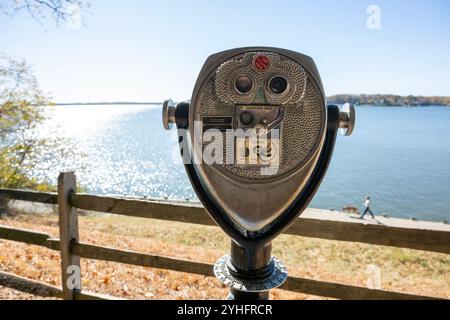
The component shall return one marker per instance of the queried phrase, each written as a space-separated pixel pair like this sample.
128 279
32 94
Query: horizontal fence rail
411 238
422 239
72 249
31 196
42 289
29 286
295 284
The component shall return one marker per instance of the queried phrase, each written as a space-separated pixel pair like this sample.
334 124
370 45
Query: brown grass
402 270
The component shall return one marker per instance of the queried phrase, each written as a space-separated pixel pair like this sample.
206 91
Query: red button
261 63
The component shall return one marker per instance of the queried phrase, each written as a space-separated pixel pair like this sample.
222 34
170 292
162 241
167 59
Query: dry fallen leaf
106 280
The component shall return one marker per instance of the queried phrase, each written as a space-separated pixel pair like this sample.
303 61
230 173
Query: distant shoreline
389 100
160 103
103 103
379 100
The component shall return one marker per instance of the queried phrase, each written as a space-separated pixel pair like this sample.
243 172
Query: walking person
367 205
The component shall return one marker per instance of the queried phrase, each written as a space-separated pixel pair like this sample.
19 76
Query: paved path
389 222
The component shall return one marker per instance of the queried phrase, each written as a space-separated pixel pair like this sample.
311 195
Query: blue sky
152 50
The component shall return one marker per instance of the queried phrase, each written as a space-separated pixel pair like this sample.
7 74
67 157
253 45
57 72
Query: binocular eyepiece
256 139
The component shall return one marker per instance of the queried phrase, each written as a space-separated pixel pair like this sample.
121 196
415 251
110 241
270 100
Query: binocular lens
278 85
244 84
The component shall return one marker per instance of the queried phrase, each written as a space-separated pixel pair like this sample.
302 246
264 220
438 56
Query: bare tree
59 10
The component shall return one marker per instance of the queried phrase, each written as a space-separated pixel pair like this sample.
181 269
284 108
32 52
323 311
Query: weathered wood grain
42 289
141 259
378 234
28 195
346 292
163 210
402 237
29 286
22 235
302 285
68 234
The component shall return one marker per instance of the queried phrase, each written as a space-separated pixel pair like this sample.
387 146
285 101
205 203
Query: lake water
398 156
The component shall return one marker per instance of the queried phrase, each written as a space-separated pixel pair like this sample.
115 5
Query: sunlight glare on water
398 156
118 150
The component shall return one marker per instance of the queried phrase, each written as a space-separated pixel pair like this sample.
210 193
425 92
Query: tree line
389 100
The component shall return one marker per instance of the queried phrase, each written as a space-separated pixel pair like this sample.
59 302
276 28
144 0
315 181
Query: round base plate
274 280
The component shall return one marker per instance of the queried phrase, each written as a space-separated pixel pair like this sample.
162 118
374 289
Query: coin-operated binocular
256 140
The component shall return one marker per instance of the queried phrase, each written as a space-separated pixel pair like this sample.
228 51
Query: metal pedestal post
250 272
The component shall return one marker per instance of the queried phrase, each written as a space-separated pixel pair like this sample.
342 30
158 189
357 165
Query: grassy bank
403 270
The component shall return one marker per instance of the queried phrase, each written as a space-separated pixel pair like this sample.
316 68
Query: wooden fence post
68 233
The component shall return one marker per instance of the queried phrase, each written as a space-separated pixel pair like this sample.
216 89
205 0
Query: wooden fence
72 248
